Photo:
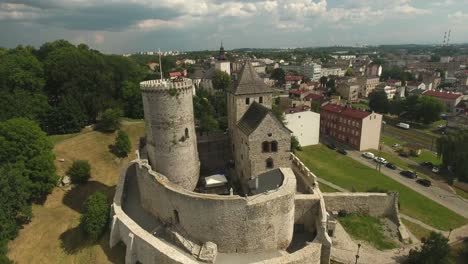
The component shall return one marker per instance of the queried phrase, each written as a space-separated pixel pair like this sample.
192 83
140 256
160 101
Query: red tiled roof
346 111
313 97
175 74
293 78
298 91
444 95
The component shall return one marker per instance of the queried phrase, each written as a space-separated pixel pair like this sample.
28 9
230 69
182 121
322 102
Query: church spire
222 53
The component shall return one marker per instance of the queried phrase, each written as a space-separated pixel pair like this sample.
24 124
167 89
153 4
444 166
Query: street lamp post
357 254
450 232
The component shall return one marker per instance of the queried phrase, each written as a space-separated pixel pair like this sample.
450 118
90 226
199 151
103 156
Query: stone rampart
236 224
306 180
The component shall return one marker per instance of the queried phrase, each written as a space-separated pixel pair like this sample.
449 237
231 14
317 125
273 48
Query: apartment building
367 85
356 128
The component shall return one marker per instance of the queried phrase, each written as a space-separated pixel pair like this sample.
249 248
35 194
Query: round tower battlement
166 85
171 140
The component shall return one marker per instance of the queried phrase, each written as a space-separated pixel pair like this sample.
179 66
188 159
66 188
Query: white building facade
305 126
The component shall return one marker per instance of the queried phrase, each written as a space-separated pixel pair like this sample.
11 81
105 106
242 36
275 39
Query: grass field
427 155
460 192
53 235
349 174
325 188
367 228
389 140
418 231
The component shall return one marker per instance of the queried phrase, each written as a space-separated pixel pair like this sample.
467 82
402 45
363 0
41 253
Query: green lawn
325 188
389 140
349 174
418 231
427 155
59 138
367 228
460 192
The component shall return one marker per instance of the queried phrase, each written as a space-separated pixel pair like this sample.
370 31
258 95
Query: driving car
424 182
409 174
435 169
380 160
391 166
368 155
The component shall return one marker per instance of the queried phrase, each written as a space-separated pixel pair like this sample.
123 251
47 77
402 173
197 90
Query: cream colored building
391 91
305 125
349 91
367 85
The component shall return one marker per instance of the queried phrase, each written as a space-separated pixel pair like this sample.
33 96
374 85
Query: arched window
265 146
186 133
269 163
274 146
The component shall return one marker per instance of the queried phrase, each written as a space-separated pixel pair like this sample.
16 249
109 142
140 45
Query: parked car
409 174
368 155
380 160
424 182
391 166
396 145
427 164
342 151
331 146
435 169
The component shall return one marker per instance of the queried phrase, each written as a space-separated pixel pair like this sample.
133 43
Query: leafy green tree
22 141
80 171
19 69
453 150
349 72
110 120
67 117
278 75
132 101
122 144
295 145
429 109
95 216
378 102
434 250
22 103
221 81
50 47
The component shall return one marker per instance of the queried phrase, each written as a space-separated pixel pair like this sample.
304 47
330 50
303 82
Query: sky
117 26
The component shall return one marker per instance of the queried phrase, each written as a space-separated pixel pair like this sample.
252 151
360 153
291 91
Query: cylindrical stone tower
170 130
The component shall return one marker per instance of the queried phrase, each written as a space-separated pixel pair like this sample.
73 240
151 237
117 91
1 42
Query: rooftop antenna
448 38
160 65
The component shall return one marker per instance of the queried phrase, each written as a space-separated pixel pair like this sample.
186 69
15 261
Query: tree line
64 87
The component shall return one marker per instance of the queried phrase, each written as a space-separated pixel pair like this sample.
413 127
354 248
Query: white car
368 155
380 160
396 145
435 169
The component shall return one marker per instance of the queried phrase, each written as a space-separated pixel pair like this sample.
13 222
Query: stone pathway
334 186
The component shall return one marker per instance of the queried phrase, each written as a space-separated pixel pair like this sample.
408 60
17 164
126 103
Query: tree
19 69
378 102
452 148
80 171
132 101
278 75
221 81
122 144
95 216
428 109
22 141
434 250
295 145
110 120
323 81
67 117
22 103
349 72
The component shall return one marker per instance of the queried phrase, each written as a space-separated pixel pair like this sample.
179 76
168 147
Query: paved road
447 199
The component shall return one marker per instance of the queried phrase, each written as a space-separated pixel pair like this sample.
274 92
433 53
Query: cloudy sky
118 26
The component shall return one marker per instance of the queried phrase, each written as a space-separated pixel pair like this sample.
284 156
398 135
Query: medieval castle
265 208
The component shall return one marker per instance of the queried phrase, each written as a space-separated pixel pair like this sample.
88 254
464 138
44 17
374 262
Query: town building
367 85
304 124
449 99
335 71
374 70
389 90
356 128
349 91
310 70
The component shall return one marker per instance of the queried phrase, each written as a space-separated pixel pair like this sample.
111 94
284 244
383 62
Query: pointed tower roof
248 82
222 53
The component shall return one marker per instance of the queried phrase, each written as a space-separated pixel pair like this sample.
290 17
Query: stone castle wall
170 130
374 204
234 223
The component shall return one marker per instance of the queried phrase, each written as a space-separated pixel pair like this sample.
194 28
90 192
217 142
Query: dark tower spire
222 53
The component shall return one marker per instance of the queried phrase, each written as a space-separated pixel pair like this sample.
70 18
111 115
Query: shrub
80 171
295 145
342 213
95 216
110 120
122 144
435 249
